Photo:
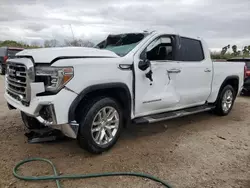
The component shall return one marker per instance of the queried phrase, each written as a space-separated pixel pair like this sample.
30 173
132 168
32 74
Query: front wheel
100 125
225 101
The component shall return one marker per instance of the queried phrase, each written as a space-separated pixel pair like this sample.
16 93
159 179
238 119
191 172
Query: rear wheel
225 101
100 125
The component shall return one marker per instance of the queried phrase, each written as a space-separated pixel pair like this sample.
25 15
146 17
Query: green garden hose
57 177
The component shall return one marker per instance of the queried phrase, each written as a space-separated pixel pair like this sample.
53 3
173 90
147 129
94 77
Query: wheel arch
119 91
230 80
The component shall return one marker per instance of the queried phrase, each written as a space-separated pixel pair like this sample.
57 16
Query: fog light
47 112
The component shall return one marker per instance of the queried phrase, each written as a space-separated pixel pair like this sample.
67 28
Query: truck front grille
17 82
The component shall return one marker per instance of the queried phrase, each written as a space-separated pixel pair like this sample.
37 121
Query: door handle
174 71
207 70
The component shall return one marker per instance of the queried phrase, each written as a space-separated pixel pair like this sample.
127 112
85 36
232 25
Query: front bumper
58 105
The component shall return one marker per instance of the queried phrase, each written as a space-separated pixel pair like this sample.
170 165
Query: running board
171 115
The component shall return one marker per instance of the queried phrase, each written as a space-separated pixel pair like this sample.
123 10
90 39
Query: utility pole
72 32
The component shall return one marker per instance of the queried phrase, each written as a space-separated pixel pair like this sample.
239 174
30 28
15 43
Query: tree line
47 43
74 42
12 43
225 54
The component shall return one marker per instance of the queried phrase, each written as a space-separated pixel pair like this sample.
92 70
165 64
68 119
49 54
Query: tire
220 108
94 126
31 122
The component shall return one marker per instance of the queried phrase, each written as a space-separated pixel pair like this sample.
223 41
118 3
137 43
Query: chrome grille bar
16 81
19 76
15 84
15 91
14 95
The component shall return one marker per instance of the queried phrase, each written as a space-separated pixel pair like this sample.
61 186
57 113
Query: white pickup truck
91 93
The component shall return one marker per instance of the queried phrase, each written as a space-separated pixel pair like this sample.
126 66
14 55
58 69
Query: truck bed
221 70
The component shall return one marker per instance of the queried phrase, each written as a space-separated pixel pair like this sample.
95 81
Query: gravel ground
201 150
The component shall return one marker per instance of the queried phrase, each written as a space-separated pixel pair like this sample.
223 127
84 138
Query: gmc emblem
12 72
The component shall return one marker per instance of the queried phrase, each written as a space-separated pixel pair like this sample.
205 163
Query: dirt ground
201 150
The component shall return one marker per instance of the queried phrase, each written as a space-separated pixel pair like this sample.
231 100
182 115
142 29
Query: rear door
194 80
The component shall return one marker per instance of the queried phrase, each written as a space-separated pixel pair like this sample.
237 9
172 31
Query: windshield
121 44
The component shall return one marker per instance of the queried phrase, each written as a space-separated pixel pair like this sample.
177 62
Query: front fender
98 87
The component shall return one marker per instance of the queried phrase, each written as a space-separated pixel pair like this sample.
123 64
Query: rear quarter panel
222 70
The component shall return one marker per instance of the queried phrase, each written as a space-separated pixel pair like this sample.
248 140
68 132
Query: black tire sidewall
219 102
85 136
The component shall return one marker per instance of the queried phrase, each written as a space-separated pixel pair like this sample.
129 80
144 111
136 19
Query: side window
160 49
191 50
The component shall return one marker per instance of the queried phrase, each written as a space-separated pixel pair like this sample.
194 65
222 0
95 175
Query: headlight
54 78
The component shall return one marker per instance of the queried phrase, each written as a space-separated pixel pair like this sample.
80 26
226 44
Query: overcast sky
219 22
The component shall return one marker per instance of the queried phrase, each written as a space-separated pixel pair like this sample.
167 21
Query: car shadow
135 131
142 130
196 122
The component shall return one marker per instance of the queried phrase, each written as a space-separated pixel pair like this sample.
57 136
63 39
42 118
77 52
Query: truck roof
164 31
12 48
172 32
15 48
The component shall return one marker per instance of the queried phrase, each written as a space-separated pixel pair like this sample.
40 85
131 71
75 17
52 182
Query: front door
160 94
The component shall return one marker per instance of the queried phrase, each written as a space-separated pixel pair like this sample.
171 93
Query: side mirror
144 64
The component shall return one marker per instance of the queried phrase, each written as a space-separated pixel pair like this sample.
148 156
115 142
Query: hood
46 55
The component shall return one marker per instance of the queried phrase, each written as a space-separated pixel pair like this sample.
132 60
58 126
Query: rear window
12 52
191 50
